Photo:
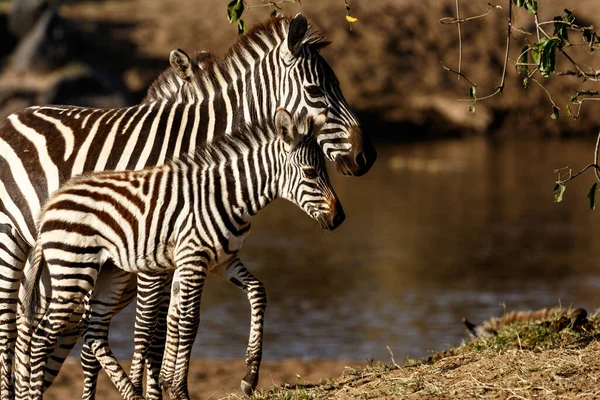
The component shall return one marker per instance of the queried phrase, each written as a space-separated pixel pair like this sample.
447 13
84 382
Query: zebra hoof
246 388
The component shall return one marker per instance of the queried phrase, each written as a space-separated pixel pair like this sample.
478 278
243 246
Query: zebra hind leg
13 255
103 305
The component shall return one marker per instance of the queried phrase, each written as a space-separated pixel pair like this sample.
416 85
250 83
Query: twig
452 20
458 73
459 37
547 92
501 87
392 355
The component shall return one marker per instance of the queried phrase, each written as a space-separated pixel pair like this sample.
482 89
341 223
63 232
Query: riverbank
554 357
550 358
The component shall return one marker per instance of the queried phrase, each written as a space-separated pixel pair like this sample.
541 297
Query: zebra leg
90 365
13 255
63 302
104 302
91 368
154 358
66 342
26 328
236 273
147 324
167 369
191 283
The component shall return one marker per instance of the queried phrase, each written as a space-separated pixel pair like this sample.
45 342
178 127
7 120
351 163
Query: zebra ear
182 64
296 33
318 123
284 126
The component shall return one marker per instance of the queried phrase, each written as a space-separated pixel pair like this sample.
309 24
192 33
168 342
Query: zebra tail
31 283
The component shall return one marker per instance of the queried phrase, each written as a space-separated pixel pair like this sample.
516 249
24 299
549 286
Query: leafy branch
539 57
566 174
236 9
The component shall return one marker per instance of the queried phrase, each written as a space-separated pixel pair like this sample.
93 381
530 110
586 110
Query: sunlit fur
192 215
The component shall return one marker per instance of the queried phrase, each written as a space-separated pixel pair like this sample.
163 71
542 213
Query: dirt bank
545 359
208 378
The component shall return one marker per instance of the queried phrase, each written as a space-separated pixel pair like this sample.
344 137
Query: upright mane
169 86
222 147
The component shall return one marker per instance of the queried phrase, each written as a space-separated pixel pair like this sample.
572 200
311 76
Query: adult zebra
276 63
191 215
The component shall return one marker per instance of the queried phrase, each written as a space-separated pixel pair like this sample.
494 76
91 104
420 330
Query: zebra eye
309 172
314 90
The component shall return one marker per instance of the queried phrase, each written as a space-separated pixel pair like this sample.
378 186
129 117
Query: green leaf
235 9
524 59
472 109
273 13
241 27
531 6
568 16
525 83
559 191
555 113
587 34
472 91
547 55
592 195
569 111
560 31
518 3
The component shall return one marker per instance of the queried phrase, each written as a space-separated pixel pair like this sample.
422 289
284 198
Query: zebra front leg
147 324
190 282
236 273
103 305
156 351
13 255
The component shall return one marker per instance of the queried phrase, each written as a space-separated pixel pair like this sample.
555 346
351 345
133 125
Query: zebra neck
243 185
244 87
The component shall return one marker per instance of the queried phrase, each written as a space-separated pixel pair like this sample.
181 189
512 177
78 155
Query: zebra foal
190 215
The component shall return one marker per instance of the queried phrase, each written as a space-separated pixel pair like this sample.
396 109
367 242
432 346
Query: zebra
191 214
277 63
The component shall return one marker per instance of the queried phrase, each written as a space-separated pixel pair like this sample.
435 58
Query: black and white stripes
188 215
276 64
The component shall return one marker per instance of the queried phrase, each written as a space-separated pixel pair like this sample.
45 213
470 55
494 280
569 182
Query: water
435 232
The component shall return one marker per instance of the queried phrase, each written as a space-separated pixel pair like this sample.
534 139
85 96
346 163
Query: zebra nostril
338 218
361 159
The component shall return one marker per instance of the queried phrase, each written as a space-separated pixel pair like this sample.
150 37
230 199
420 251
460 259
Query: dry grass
541 359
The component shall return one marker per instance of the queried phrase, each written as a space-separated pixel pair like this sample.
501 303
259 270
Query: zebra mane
167 86
222 147
245 138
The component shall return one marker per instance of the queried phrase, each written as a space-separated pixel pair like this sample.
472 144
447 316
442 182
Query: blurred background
456 219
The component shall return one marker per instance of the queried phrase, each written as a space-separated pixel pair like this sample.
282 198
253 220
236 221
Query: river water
436 231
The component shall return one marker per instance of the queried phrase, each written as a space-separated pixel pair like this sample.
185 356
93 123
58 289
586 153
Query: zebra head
318 89
304 181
